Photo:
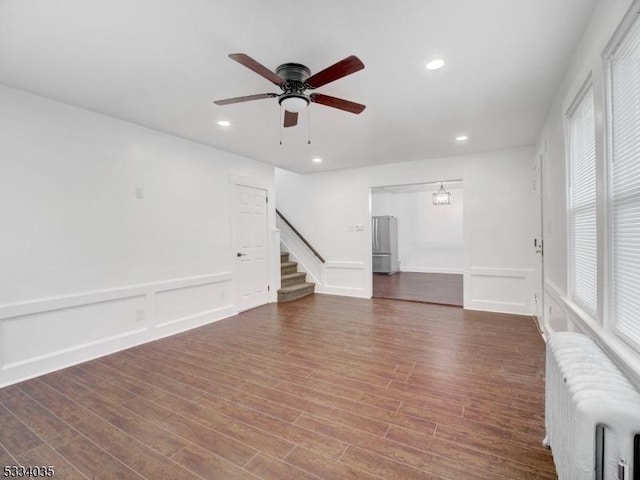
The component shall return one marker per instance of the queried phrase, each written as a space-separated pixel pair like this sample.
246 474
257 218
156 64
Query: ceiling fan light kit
294 79
293 103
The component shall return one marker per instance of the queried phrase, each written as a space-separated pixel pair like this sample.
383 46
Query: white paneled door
538 244
251 272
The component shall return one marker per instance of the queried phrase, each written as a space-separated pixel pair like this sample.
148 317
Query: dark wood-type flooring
441 288
323 388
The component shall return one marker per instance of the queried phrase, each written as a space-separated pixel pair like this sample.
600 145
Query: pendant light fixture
442 197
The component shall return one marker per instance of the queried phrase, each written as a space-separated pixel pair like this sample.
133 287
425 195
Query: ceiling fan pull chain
308 126
280 123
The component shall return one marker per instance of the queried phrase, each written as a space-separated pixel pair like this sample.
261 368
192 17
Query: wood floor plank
432 460
323 388
64 384
94 462
136 455
345 390
248 400
531 454
379 418
38 419
269 468
240 431
96 385
123 381
174 367
6 458
60 405
194 432
147 432
208 465
15 436
285 430
385 467
45 456
496 465
151 376
325 467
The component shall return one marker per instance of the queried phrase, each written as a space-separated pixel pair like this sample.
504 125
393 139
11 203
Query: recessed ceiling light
224 123
317 160
435 64
461 138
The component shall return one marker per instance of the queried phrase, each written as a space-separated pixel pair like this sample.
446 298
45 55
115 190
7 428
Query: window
582 202
624 184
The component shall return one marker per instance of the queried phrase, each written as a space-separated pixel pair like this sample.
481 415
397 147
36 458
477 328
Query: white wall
559 312
429 236
499 262
87 268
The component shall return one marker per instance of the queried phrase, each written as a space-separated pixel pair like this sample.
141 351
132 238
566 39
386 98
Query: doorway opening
429 247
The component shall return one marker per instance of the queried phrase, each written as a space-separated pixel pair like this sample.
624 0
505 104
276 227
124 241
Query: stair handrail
299 235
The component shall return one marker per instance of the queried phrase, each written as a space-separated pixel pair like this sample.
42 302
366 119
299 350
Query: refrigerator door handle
375 234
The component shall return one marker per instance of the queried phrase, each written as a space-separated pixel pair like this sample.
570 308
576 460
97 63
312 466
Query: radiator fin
592 411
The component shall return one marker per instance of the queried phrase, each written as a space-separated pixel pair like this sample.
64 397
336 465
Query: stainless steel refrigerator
384 232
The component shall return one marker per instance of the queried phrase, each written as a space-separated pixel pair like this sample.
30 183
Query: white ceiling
161 63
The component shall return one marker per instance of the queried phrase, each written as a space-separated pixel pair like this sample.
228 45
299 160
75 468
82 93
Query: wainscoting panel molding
344 278
506 290
47 334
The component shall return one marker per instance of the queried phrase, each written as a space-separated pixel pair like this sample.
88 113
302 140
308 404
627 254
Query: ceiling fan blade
339 103
338 70
260 69
290 118
228 101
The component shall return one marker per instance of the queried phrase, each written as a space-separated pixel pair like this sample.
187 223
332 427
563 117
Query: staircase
293 283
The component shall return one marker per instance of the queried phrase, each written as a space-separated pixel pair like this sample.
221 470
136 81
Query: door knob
241 254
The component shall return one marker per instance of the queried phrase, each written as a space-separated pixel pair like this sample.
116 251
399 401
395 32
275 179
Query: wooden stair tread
296 287
293 284
288 276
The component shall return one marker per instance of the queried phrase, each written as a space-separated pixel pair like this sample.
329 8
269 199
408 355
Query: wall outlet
139 192
139 315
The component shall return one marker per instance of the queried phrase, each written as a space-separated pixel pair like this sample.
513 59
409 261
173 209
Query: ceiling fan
294 79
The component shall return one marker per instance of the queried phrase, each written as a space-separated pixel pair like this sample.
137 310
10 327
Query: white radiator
592 412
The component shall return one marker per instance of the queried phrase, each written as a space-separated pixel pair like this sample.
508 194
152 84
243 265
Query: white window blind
624 208
582 203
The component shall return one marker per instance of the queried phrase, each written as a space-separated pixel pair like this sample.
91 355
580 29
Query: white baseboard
454 271
343 291
498 307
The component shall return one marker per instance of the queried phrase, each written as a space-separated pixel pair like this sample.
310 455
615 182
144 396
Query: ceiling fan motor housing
294 76
293 71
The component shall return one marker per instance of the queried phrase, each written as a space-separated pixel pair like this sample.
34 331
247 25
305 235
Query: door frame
466 238
273 235
539 239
